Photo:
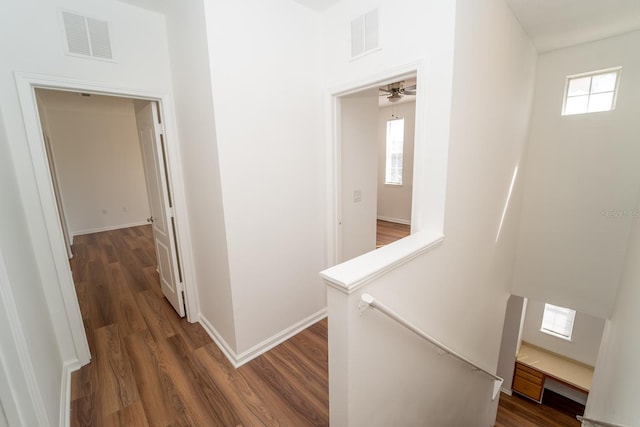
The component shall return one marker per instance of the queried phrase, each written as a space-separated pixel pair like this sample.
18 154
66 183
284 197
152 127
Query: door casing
334 148
54 240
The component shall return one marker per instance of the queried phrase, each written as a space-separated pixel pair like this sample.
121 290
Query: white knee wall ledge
351 275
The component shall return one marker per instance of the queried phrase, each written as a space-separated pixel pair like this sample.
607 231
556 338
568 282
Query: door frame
26 85
334 149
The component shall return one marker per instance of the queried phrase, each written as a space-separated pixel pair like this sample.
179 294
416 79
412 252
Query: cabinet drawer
529 377
529 370
522 386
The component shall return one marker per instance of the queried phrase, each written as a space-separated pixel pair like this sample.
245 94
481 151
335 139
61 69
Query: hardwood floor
517 411
151 368
388 232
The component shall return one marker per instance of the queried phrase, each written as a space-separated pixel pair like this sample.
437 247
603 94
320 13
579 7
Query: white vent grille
365 34
99 38
371 31
87 36
76 29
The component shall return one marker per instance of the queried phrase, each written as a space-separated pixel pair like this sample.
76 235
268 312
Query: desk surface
563 369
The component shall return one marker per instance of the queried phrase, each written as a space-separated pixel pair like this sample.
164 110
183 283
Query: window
558 321
589 93
395 148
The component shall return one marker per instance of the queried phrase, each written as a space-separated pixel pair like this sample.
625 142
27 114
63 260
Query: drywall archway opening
430 154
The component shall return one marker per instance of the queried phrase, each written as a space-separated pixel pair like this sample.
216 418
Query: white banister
595 422
367 300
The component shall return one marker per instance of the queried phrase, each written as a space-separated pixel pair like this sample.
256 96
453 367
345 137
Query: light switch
357 195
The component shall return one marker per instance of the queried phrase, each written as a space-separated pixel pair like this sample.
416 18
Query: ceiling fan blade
409 92
411 88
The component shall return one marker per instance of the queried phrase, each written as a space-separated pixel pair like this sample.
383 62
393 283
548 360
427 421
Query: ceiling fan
395 91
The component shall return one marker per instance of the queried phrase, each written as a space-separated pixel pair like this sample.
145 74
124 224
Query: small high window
592 92
558 321
395 149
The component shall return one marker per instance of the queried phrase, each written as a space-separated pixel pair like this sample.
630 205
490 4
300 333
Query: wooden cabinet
528 382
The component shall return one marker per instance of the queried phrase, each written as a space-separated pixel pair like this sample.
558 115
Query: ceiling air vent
87 37
365 34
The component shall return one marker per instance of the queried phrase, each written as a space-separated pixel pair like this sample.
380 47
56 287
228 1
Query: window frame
554 310
389 154
591 75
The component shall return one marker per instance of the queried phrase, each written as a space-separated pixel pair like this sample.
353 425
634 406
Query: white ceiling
553 24
317 5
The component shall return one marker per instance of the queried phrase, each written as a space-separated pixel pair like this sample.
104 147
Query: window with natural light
395 149
590 93
558 321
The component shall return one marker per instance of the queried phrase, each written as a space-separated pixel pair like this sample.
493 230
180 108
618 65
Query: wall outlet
357 195
104 211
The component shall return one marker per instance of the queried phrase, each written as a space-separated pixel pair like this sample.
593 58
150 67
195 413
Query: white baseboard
396 220
238 360
65 391
107 228
507 391
217 338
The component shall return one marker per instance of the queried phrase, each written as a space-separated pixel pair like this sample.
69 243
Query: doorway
51 241
108 168
375 174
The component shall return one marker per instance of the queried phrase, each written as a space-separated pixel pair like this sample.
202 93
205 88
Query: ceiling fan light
394 97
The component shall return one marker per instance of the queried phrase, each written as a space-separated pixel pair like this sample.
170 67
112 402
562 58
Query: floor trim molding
107 228
65 391
396 220
238 360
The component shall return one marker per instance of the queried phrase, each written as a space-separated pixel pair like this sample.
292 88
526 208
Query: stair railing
367 301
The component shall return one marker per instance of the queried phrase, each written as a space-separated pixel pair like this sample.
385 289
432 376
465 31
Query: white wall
95 147
267 92
21 280
415 41
186 28
457 292
614 391
585 339
394 201
359 118
581 171
3 418
31 42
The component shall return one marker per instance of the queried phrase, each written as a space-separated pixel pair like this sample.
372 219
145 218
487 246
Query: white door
160 203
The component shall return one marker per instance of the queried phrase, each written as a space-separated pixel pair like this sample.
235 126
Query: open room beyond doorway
376 151
108 162
52 240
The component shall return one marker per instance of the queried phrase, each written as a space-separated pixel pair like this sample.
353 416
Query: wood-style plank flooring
151 368
388 232
517 411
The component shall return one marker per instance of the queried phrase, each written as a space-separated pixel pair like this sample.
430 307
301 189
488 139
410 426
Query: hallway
149 367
